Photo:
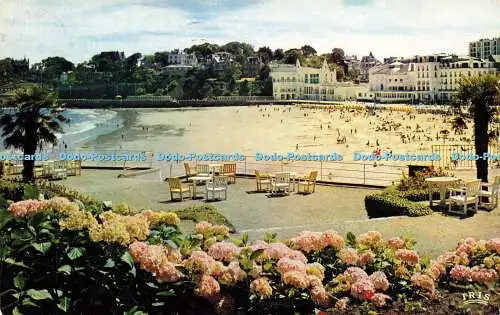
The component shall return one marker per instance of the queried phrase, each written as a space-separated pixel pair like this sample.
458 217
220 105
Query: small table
197 179
442 183
293 178
216 168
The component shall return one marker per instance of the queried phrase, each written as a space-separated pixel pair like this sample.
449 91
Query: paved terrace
330 207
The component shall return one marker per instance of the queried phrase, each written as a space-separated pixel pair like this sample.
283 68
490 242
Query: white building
294 82
483 48
177 57
423 79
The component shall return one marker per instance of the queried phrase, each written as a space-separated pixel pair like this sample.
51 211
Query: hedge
395 203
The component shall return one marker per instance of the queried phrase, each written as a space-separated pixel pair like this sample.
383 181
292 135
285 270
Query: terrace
339 208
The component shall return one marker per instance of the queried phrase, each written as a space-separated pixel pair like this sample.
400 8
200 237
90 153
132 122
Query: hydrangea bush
142 262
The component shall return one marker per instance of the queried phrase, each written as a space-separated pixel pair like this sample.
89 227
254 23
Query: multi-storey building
294 82
367 62
252 67
483 48
424 79
181 58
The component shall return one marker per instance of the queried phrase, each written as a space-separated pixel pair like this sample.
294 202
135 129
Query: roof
386 69
495 58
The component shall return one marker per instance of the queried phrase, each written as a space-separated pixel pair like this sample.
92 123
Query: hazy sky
77 29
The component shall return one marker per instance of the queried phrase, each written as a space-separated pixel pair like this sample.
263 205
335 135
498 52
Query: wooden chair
229 170
59 170
74 168
466 195
203 170
491 192
262 179
281 183
190 171
176 187
308 183
217 185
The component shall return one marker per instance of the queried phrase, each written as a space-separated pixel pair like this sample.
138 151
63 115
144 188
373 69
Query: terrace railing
449 152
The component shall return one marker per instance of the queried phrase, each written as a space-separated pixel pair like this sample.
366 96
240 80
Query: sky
78 29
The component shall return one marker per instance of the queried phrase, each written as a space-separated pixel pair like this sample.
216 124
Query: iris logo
475 298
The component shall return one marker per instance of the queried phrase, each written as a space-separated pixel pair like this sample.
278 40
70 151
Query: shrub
417 182
391 203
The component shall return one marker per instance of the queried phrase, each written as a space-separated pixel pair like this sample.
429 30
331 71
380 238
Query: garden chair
466 195
59 170
217 185
38 171
229 170
176 187
75 168
491 192
281 183
262 179
308 183
203 170
190 171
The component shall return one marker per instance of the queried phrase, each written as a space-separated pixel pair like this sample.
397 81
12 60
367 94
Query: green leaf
165 293
39 294
29 302
64 303
19 281
15 311
76 252
351 239
42 247
182 270
127 259
172 244
66 269
109 263
256 254
244 238
11 261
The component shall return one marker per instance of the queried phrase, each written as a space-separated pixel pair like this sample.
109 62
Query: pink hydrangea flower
363 289
436 270
459 272
366 258
203 227
408 256
261 287
483 275
296 279
379 299
200 262
316 269
379 281
370 239
208 288
285 265
465 245
155 259
349 256
493 245
224 251
354 274
331 238
424 282
319 296
25 208
396 243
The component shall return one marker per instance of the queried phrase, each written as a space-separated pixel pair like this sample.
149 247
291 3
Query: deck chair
203 170
229 170
176 187
491 192
467 194
190 171
217 185
262 179
281 183
308 184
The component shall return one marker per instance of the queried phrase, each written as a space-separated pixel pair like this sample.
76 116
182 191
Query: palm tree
36 119
480 94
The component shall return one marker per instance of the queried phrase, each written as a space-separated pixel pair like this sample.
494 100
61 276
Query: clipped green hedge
392 202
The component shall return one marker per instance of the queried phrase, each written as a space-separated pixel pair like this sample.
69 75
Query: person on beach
297 147
314 139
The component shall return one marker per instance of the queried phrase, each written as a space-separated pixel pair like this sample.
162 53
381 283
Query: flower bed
57 256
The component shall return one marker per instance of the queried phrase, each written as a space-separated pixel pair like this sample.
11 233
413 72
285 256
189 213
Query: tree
338 56
52 67
244 88
37 118
480 94
308 51
292 55
278 54
265 54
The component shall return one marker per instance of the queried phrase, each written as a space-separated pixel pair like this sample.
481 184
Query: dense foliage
58 257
